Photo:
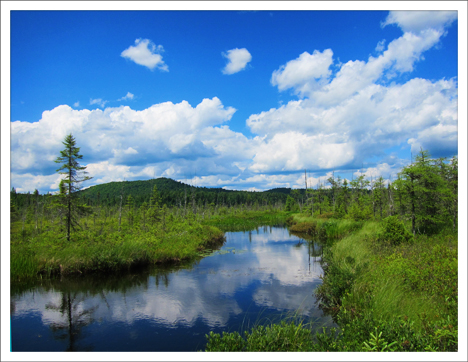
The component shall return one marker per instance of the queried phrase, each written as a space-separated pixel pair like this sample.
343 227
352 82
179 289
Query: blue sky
234 99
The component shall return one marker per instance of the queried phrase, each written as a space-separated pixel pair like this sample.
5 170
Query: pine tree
425 191
74 176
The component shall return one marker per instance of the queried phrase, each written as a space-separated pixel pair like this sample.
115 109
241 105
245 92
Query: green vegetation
104 248
390 263
283 337
384 295
390 256
124 224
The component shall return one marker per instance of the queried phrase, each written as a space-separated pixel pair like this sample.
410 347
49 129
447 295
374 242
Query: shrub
394 231
229 342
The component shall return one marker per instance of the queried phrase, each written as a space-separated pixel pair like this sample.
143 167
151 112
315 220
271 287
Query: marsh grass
286 332
23 265
326 230
46 254
409 290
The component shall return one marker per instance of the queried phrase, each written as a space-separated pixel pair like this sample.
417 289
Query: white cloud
361 126
76 104
120 143
305 73
294 151
353 115
127 96
380 45
417 21
98 101
341 121
29 182
310 75
146 53
238 59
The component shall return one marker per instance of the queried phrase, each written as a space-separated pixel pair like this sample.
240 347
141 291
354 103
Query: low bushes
394 231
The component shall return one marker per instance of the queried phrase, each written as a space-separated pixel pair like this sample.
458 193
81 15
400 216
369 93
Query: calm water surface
255 278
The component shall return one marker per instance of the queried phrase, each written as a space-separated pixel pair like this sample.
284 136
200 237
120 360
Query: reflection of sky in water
264 271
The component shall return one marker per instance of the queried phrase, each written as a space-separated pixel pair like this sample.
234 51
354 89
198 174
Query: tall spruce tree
424 188
74 176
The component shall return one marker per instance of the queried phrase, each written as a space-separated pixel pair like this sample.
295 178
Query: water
255 278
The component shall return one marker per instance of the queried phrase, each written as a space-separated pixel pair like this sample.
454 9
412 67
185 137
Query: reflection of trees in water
74 320
99 283
314 250
162 275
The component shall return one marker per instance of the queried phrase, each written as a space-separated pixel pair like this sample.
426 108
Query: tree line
425 193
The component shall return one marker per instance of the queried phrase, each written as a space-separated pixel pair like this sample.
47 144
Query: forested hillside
171 192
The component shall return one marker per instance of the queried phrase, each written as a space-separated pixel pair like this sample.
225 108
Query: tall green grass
410 290
23 265
325 229
48 253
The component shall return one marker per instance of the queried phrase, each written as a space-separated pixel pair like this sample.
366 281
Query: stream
256 277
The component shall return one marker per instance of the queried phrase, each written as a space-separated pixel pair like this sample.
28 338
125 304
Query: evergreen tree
291 204
360 208
379 196
425 193
74 176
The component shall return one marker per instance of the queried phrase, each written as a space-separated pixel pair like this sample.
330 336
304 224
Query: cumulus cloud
377 118
304 72
237 60
345 119
340 121
146 53
122 143
417 21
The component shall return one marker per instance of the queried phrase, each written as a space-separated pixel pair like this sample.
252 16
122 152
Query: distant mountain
177 193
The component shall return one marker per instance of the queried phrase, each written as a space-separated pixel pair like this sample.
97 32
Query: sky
243 100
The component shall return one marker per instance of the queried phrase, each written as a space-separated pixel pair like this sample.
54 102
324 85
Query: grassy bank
236 220
103 246
387 290
94 250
